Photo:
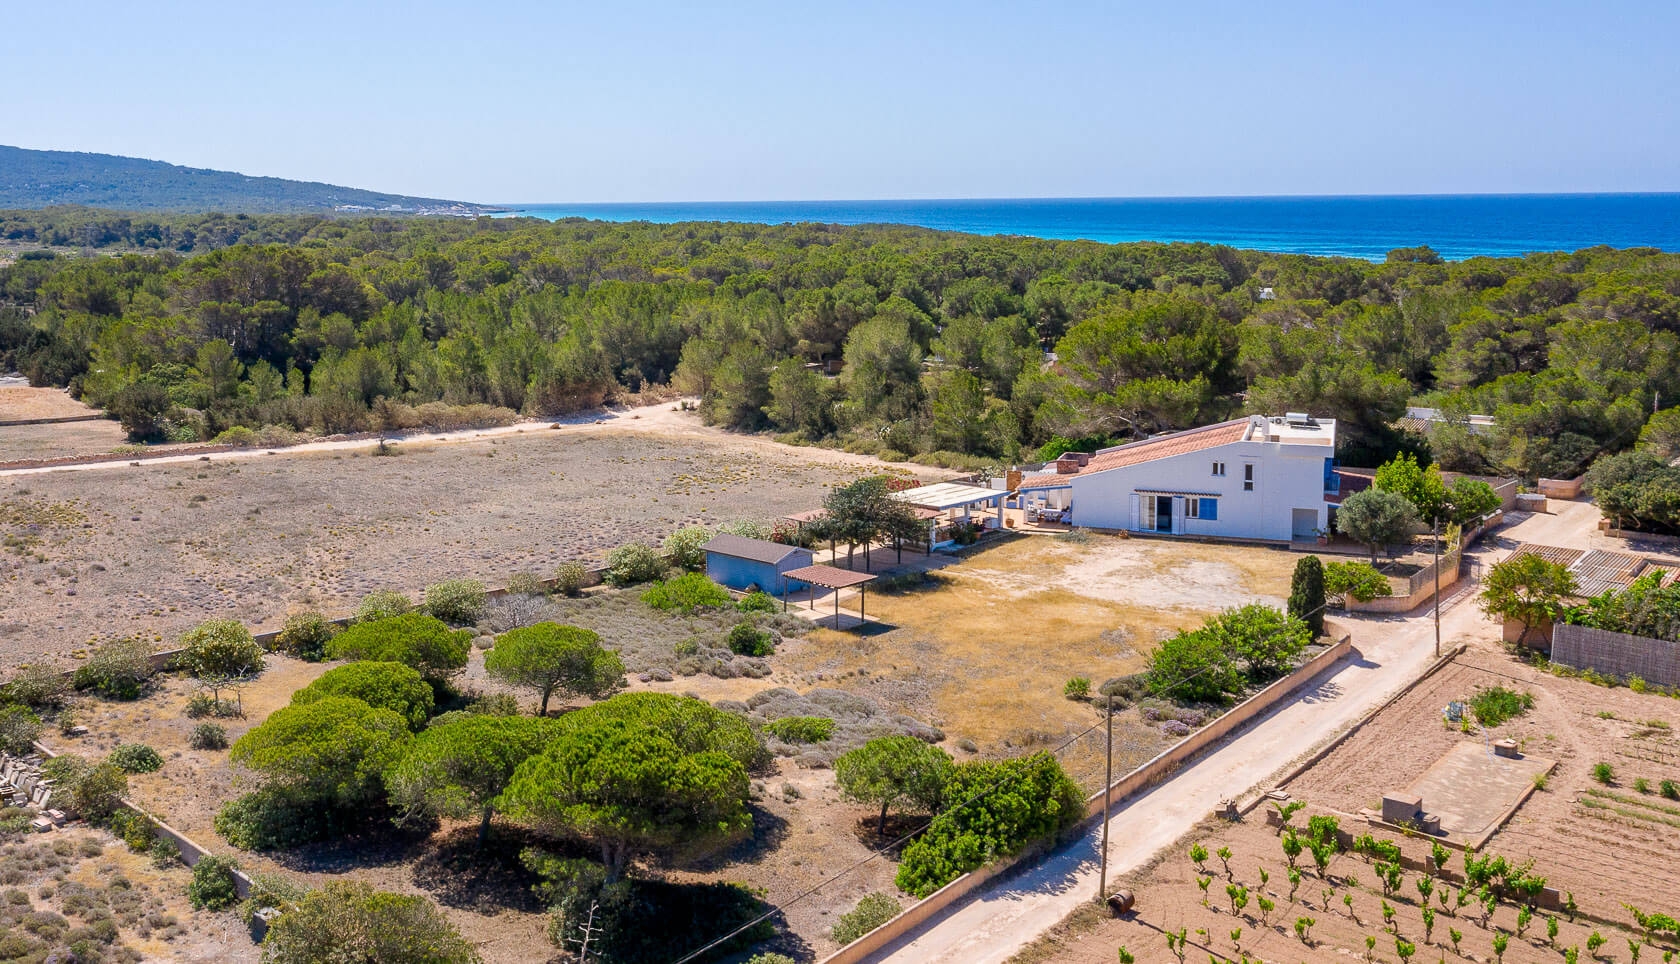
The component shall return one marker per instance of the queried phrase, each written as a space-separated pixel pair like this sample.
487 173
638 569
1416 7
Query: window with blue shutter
1209 510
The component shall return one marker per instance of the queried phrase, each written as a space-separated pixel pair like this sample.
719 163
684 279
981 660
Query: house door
1304 523
1163 513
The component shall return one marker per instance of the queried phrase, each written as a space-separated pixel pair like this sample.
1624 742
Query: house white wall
1286 477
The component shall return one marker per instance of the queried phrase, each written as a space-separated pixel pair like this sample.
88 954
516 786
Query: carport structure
832 579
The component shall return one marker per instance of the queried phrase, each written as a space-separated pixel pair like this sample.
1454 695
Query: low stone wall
1150 773
1422 583
50 421
1617 654
191 852
1560 488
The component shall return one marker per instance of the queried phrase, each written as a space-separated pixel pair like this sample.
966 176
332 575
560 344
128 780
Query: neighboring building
1422 420
1250 478
742 563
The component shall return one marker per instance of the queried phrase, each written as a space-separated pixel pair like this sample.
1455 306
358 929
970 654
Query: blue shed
738 563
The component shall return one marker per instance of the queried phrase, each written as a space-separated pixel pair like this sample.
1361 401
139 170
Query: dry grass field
157 548
1607 846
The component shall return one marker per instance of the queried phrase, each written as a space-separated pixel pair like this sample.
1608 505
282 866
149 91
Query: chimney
1068 464
1012 480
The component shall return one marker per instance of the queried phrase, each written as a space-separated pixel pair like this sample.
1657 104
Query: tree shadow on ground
768 834
456 872
376 844
900 831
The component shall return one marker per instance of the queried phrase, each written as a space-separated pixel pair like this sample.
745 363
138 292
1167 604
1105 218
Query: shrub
871 912
801 729
1497 704
200 705
686 593
118 669
1603 773
38 686
757 602
382 604
350 921
458 602
208 736
1356 580
390 686
164 852
1669 789
1077 688
19 728
570 579
686 547
134 829
1265 638
96 794
635 562
212 885
1306 593
1193 666
1641 785
1003 806
748 640
418 641
220 649
526 584
769 958
305 636
136 758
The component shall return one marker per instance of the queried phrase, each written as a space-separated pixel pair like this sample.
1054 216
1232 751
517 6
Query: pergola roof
829 577
947 495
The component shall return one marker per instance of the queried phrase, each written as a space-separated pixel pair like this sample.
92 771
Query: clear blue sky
522 100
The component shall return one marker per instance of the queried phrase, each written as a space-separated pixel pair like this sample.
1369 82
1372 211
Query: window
1192 508
1219 468
1248 477
1208 509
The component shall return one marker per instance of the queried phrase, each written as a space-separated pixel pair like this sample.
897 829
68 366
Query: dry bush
516 610
857 720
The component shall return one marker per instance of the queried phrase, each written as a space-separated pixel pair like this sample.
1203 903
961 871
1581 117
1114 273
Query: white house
1250 478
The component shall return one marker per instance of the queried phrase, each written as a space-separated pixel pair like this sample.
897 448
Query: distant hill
37 179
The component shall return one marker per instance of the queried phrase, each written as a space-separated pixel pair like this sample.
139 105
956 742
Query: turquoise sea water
1458 226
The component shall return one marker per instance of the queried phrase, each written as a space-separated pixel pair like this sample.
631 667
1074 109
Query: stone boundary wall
1560 488
50 421
191 852
1146 775
1422 583
1617 654
1634 535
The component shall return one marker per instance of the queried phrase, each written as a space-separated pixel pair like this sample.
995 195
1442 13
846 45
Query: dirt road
1390 652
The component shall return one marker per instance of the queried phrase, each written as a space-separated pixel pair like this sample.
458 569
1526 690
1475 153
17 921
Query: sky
531 101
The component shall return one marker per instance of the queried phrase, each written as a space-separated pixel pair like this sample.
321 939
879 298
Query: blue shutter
1210 510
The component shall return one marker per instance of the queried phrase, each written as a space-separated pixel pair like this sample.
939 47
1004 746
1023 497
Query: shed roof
947 495
757 550
829 577
1595 570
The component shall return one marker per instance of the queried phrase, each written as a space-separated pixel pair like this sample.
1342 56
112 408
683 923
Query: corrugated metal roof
1557 554
757 550
947 495
1601 569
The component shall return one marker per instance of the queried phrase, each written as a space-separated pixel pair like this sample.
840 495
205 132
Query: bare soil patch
22 401
1607 846
165 546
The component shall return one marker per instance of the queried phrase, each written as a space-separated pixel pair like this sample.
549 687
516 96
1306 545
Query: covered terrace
955 504
835 581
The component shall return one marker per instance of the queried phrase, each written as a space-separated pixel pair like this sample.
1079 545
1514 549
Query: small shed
742 563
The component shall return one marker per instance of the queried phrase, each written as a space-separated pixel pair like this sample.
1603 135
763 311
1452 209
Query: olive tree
1376 518
549 657
459 768
629 789
893 771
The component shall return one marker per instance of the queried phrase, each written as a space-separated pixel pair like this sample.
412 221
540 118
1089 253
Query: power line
977 795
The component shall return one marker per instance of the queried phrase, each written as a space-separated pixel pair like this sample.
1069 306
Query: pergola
831 578
953 500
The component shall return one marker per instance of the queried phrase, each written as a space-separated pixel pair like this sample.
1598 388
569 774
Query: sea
1457 226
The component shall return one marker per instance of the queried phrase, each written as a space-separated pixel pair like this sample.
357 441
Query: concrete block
1506 748
1401 807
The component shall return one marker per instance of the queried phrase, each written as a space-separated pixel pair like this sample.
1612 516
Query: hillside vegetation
323 324
37 179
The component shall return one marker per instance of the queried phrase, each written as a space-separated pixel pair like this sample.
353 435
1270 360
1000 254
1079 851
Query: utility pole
1435 531
1108 787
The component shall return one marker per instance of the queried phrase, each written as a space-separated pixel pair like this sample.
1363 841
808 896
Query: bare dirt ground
22 401
1608 846
157 548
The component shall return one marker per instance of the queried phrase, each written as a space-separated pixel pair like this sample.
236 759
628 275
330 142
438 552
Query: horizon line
1139 197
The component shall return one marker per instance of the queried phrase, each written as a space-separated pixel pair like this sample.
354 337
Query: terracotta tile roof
1167 446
